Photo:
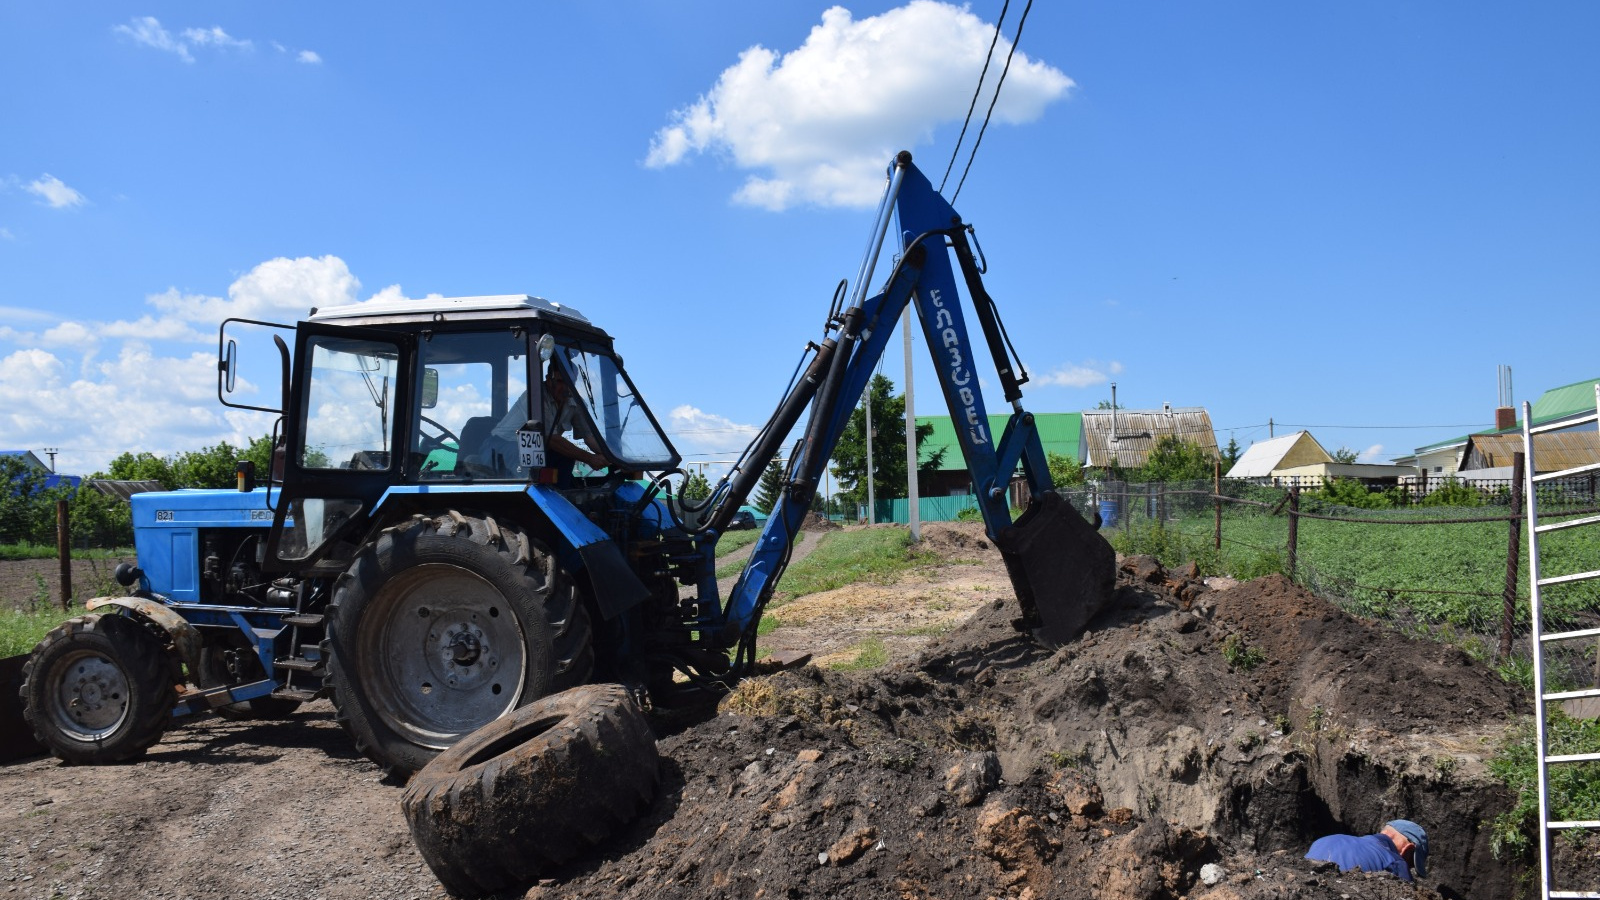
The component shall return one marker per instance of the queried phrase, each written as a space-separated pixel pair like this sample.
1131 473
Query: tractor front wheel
444 625
98 689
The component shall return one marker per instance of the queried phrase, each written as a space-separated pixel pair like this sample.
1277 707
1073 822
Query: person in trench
1398 848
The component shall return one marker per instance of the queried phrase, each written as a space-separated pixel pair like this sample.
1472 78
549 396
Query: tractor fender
586 546
185 637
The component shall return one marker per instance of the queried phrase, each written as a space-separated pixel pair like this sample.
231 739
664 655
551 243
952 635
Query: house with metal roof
1262 458
1489 456
1570 401
1125 437
1060 433
28 457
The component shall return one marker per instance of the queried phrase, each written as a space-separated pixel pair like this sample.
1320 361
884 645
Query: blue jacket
1369 853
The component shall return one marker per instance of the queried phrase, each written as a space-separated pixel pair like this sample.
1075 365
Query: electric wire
956 151
998 85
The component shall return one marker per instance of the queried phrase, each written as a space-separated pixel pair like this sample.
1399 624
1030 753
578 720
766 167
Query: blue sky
1335 216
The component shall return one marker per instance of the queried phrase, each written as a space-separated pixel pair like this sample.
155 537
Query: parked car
744 518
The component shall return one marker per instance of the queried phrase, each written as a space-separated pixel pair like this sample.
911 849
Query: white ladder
1537 582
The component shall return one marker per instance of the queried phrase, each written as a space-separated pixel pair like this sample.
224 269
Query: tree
1106 404
1230 455
1064 472
695 488
888 447
144 466
770 488
1177 460
1345 455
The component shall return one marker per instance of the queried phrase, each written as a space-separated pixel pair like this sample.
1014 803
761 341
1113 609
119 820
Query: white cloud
1373 454
697 432
147 30
821 122
215 37
1079 375
96 389
276 288
6 235
51 189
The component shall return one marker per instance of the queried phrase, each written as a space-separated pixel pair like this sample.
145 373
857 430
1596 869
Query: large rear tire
98 689
444 625
532 790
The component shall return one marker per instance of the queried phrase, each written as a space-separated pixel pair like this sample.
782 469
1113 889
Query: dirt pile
1191 745
815 521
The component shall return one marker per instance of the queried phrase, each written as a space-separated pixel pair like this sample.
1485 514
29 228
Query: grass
48 551
1574 788
733 540
871 555
20 630
870 654
1382 570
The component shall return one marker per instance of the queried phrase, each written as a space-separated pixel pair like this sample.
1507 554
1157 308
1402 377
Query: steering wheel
428 443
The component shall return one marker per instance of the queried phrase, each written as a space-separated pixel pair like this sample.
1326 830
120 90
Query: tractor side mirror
430 388
229 365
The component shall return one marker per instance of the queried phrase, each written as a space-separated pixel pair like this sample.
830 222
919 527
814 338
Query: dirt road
1145 760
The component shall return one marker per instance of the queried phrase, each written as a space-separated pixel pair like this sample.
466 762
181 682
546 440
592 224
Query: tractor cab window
349 402
470 383
617 412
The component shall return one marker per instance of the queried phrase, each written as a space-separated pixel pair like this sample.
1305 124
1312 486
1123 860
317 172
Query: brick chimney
1505 416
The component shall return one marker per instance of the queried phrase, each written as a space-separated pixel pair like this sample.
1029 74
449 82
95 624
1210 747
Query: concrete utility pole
51 452
913 516
872 512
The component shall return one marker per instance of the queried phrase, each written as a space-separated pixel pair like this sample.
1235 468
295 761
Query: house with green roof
1570 401
1060 433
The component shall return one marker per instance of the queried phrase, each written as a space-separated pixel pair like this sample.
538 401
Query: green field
1450 574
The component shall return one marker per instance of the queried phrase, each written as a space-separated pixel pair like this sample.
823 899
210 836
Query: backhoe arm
1061 568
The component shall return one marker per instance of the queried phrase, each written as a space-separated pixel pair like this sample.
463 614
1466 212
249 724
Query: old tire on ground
214 672
98 689
444 625
532 790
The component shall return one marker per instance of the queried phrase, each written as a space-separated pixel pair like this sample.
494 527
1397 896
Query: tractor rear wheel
98 689
444 625
533 790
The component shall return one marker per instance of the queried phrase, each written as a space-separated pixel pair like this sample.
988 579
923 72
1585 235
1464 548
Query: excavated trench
1191 744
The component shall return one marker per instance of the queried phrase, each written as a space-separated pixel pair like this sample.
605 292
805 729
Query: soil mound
956 540
1191 744
815 521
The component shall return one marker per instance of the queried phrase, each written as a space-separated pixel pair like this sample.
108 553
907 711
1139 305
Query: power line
999 84
956 151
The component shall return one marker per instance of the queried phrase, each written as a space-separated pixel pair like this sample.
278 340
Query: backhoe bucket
1063 571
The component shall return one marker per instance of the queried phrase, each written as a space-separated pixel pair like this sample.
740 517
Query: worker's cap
1414 833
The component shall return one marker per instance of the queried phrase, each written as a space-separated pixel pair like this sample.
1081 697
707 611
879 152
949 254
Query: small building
1262 459
1125 437
1488 457
1436 460
1060 433
1373 475
28 457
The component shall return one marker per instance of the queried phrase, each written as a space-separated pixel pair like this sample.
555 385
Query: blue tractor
471 507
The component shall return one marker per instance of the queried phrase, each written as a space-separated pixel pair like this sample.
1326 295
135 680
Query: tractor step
294 693
305 620
300 664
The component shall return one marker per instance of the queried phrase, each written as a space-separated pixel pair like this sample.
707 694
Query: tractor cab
389 401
